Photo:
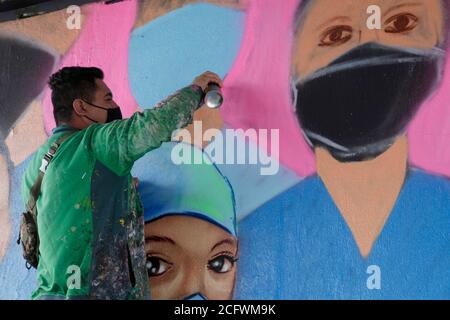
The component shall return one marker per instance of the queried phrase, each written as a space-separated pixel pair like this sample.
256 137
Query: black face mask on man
361 102
112 113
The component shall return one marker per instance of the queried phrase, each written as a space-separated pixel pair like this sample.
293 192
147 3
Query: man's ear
79 107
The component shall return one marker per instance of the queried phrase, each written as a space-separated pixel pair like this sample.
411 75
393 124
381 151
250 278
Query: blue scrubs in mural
298 246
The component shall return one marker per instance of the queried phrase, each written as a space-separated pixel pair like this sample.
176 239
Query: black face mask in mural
24 71
361 102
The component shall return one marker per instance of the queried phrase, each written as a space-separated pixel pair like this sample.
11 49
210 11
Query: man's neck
72 124
365 192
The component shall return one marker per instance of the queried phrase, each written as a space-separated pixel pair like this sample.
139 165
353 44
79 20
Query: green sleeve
120 143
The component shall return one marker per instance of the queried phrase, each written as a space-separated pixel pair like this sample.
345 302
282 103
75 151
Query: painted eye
156 266
222 264
336 35
400 23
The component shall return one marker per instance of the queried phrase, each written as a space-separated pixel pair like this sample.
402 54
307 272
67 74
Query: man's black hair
72 83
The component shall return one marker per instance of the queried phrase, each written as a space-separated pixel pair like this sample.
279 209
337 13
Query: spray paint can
213 96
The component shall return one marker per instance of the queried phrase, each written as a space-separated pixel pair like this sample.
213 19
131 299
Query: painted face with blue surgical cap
190 229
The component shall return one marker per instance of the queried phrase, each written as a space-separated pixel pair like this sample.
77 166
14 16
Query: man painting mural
367 226
89 219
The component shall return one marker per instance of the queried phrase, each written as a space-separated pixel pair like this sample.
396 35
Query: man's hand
209 118
205 78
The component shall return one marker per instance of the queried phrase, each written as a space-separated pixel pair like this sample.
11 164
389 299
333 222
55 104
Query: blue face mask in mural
359 104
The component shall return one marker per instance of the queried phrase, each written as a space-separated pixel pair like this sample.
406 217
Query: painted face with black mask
355 89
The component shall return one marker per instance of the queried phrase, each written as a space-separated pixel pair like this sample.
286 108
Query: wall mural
324 175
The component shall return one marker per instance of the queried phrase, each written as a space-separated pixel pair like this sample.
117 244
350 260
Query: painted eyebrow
160 239
338 18
225 241
398 6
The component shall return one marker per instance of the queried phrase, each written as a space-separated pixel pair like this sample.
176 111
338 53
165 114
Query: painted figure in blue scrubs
190 224
368 225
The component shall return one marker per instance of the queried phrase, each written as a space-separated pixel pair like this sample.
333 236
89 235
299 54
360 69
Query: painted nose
366 35
192 283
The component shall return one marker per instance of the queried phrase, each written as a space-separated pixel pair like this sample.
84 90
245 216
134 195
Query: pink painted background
103 42
257 88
